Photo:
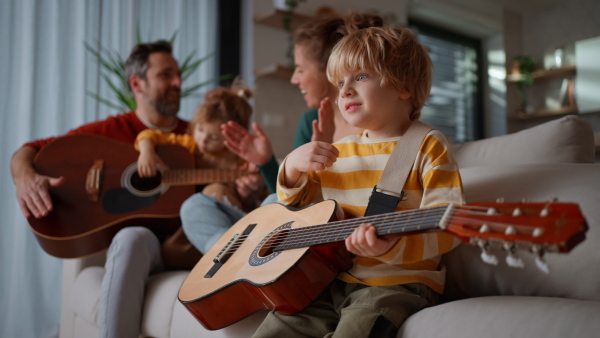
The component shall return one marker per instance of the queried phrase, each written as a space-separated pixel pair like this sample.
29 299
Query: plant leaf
105 101
172 39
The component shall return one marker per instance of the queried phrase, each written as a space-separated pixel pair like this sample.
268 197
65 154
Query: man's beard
164 107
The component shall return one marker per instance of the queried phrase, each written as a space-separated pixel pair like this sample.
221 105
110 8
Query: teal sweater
303 135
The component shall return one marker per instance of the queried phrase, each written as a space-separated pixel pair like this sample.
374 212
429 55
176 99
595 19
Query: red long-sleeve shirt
123 127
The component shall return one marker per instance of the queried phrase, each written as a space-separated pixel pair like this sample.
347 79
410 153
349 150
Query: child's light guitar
276 258
103 192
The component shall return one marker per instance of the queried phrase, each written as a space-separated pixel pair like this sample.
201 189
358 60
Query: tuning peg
517 212
500 200
511 259
484 229
537 232
539 259
542 265
486 256
510 230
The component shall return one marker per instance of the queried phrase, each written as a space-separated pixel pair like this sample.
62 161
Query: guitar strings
327 230
344 227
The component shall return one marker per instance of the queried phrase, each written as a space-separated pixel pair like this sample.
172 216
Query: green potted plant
290 7
113 73
522 68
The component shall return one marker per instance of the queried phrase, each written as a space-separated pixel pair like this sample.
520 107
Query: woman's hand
324 127
365 242
255 149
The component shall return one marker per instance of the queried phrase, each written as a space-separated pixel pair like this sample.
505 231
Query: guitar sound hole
270 246
266 250
145 183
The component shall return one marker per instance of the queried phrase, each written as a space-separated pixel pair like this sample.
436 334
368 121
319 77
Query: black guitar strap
388 192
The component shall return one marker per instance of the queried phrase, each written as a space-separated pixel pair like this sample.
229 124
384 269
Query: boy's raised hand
365 242
312 156
324 127
255 149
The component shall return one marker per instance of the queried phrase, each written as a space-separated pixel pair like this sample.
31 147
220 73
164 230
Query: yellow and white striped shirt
433 180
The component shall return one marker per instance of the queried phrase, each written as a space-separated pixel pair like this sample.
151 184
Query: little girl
205 141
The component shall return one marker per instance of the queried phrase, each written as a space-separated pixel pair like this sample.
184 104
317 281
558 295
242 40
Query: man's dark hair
137 62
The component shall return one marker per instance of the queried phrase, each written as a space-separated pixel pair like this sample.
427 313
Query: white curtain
46 75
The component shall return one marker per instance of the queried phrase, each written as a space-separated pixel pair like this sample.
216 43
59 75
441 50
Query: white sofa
554 159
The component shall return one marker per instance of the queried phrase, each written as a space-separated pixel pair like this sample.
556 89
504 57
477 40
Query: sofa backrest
569 139
574 275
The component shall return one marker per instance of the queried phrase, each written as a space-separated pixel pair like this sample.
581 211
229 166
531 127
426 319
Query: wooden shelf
547 113
275 17
546 74
276 71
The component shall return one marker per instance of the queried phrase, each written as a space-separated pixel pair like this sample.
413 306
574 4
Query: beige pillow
569 139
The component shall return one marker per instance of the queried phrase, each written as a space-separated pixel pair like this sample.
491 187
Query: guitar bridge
92 184
229 250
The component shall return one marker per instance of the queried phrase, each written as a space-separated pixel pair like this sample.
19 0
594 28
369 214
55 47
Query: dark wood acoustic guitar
103 192
280 259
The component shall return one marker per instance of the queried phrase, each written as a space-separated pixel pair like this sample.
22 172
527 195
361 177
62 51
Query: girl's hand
249 189
324 127
312 156
252 148
147 162
365 242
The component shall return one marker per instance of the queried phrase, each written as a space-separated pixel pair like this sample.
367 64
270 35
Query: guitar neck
401 222
180 177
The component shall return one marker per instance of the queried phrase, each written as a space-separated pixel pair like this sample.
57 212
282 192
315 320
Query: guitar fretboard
409 221
201 176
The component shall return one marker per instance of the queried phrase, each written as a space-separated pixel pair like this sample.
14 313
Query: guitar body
83 222
254 278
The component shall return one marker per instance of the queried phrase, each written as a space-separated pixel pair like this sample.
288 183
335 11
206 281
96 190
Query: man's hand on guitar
32 193
365 242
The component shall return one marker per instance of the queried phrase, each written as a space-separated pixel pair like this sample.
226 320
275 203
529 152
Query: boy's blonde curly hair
394 53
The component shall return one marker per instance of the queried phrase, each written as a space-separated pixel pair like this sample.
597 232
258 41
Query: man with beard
155 80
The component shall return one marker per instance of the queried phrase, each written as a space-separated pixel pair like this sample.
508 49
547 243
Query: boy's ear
404 95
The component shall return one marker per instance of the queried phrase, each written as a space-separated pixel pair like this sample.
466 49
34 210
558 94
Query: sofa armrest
71 269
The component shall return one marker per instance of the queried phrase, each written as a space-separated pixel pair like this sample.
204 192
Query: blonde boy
384 78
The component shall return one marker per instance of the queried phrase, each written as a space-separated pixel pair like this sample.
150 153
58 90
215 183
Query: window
454 106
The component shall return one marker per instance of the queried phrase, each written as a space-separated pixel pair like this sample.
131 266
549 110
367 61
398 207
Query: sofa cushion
85 295
574 275
569 139
159 303
491 317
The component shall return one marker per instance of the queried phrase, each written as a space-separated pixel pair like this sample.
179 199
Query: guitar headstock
537 227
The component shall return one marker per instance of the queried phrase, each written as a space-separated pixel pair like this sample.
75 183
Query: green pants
351 310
